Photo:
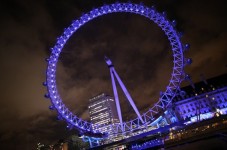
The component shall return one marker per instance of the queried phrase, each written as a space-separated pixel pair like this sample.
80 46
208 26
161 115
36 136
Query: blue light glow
160 20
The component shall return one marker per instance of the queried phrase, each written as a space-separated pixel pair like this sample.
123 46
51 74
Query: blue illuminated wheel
165 99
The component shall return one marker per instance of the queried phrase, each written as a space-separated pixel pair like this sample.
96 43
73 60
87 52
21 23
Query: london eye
142 120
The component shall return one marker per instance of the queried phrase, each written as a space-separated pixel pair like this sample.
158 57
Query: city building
202 100
103 112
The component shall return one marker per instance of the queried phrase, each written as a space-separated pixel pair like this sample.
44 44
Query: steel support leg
116 98
127 95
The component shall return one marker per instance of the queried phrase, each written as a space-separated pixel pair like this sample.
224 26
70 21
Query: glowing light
150 13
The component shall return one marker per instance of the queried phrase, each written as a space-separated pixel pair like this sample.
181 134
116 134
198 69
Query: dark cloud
25 35
31 130
138 48
22 48
205 27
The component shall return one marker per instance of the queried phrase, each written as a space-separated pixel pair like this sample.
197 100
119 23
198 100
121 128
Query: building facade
103 112
203 100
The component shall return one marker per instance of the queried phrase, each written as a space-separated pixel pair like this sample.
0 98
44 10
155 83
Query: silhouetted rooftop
201 87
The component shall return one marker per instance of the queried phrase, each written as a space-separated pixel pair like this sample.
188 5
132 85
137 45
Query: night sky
138 48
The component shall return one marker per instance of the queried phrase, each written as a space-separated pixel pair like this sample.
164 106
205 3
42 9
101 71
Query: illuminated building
202 100
102 110
202 108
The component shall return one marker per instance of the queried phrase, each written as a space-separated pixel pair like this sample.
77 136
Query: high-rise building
103 112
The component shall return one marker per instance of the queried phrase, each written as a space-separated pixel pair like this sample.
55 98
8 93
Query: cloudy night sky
138 48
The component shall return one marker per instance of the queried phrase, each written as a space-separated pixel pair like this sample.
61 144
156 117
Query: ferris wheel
177 75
